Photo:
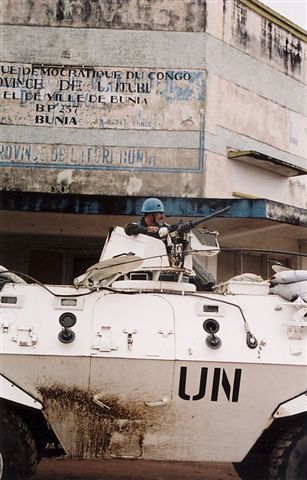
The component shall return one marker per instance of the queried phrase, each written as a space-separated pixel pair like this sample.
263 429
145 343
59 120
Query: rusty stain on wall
171 15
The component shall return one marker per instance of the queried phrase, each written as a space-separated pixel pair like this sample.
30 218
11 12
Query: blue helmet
152 205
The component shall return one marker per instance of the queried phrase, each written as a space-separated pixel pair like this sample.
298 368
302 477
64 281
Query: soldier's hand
152 229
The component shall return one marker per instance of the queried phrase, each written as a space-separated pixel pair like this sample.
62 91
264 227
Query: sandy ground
66 469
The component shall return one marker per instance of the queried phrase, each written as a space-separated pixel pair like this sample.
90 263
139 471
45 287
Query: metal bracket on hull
25 337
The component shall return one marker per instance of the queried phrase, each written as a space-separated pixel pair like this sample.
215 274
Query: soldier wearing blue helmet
152 205
152 221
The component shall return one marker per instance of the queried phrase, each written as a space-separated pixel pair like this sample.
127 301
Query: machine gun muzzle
181 228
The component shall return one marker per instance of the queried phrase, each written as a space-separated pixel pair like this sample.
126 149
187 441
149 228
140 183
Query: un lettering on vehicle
213 384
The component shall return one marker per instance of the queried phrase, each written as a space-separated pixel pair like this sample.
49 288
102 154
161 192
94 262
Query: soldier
152 221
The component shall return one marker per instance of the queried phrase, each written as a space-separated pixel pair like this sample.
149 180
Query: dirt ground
67 469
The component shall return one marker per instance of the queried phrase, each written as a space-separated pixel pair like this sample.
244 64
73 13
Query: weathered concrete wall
146 97
263 39
130 120
125 100
256 100
170 15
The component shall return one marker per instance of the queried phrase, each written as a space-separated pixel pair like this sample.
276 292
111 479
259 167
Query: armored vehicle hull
143 366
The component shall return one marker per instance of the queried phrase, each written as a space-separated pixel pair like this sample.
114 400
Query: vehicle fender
10 391
292 407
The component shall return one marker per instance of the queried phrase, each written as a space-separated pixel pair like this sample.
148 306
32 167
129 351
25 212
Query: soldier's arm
134 228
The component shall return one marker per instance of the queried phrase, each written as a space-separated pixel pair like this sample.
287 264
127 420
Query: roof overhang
249 222
174 206
266 162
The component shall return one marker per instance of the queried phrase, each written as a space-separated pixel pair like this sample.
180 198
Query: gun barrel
185 227
214 214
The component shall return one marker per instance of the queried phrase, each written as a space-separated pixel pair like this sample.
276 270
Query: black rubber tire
289 457
17 447
254 467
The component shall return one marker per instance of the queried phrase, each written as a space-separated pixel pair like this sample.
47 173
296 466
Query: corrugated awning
266 162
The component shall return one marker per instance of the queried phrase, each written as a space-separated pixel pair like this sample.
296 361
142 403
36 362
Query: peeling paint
87 430
134 186
64 180
99 182
298 191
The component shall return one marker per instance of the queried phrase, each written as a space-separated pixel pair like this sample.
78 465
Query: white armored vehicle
133 361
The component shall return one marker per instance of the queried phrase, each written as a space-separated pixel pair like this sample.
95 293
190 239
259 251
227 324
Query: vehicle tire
253 467
18 451
289 457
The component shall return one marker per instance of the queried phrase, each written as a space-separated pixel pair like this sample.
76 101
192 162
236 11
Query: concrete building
199 102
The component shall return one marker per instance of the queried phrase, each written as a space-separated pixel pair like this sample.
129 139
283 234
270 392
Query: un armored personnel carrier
133 361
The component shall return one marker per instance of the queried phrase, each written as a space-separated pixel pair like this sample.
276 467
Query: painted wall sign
179 15
102 157
102 98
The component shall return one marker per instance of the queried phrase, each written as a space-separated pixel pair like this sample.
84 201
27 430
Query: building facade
104 103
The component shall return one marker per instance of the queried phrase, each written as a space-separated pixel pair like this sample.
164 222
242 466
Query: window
52 260
46 266
230 264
